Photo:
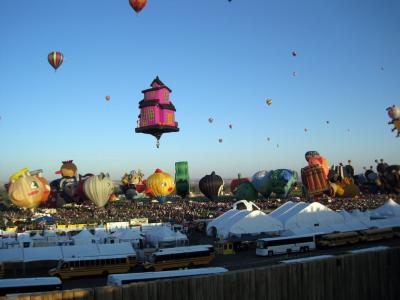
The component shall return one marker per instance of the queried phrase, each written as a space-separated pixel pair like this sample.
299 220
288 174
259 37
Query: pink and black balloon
211 186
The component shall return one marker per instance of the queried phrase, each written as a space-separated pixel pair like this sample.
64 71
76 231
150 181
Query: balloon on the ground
280 182
157 113
313 158
99 188
160 184
246 191
236 182
259 181
211 186
68 169
55 59
182 179
27 191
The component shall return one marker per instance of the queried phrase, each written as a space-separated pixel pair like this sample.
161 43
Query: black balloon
211 185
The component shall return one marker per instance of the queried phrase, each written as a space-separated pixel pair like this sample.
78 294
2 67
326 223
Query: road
243 260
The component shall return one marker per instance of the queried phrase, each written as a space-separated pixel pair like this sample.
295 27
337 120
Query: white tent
254 223
310 215
389 209
243 221
291 211
282 209
84 237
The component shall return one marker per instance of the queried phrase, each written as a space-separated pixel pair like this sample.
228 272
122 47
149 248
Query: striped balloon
55 59
138 5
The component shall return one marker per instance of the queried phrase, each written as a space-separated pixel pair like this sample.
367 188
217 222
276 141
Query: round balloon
211 186
108 98
27 191
160 184
260 181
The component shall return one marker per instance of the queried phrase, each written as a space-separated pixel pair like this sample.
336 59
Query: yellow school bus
180 257
95 265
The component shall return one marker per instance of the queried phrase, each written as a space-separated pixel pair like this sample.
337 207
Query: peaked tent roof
256 222
389 209
282 209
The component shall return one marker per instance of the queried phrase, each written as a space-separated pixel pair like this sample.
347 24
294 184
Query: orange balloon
108 98
138 5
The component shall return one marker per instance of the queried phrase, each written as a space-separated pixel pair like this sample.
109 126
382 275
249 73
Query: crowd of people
175 211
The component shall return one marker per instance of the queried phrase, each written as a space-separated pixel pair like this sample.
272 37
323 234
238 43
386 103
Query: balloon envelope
138 5
211 186
55 59
99 189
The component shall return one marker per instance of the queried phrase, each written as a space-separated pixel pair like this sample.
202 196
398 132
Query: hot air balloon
294 53
305 129
230 126
394 114
236 182
260 181
294 73
160 185
268 139
157 113
269 102
327 122
246 191
220 140
277 145
211 186
182 179
55 59
210 120
26 190
99 188
138 5
108 98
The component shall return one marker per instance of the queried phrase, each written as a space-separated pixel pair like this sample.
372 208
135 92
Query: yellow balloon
160 184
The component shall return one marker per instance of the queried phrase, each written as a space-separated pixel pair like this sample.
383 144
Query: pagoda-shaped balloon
157 113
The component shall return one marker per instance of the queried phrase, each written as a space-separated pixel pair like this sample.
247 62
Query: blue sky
221 59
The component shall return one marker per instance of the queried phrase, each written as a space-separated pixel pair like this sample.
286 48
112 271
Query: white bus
287 244
120 279
29 285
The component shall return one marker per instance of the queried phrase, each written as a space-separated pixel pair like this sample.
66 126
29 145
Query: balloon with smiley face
27 191
160 184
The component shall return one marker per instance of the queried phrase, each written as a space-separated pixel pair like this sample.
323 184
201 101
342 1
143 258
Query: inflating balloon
160 184
138 5
259 181
28 191
394 114
99 189
211 186
55 59
182 179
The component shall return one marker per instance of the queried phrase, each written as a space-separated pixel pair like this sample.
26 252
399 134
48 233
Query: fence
371 275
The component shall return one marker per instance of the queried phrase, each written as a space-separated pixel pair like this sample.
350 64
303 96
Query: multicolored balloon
269 102
55 59
138 5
